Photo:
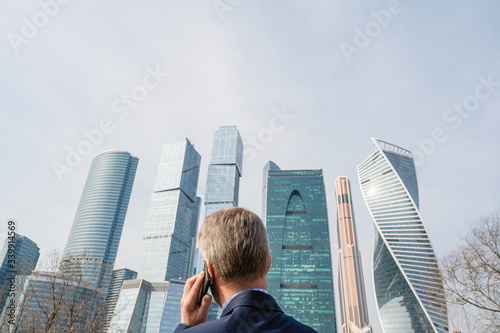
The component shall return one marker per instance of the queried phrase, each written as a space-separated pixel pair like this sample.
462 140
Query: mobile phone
207 281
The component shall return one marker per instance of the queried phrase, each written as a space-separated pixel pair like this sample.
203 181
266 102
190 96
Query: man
236 250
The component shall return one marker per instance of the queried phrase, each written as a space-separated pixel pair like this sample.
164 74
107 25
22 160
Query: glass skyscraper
96 231
223 183
224 171
270 166
145 307
117 278
300 277
169 240
406 276
167 249
26 257
351 283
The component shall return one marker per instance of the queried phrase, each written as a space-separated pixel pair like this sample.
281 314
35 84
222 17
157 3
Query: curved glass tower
406 277
97 228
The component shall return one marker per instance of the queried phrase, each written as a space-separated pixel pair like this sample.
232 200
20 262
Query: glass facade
408 286
172 313
96 231
145 307
65 304
174 207
131 307
300 277
117 278
270 166
26 258
224 171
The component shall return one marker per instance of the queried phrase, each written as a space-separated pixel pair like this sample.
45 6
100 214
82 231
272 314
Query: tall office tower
224 171
117 278
351 283
97 228
193 236
270 166
300 277
407 281
167 245
223 178
21 260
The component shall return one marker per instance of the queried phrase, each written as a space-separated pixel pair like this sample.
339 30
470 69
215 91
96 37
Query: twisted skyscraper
352 287
407 281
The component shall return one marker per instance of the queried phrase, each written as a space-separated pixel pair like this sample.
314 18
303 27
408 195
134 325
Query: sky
307 83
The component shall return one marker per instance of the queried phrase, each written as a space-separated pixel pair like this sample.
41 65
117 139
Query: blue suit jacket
250 311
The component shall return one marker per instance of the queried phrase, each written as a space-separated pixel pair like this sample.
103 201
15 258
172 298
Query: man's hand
191 313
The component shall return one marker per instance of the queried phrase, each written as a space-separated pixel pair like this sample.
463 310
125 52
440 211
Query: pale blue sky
264 56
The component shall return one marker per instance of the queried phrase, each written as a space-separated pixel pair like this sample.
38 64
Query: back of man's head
235 242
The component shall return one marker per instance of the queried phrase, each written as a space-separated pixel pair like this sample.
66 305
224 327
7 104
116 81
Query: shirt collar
230 298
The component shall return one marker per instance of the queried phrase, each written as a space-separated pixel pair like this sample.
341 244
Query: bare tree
55 299
471 275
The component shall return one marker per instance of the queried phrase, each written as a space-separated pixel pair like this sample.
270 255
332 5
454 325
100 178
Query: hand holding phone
207 281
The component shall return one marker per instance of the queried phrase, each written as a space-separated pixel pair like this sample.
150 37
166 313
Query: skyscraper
224 171
168 244
24 260
270 166
96 231
406 276
351 283
117 278
223 178
300 277
166 249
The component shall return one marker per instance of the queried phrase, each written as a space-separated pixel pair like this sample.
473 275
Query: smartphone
207 281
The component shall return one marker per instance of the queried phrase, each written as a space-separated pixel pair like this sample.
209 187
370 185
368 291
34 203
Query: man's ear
210 268
270 261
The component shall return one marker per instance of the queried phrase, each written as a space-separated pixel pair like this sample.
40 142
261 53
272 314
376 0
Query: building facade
166 251
169 240
270 166
61 302
224 171
23 262
223 183
117 278
95 234
351 283
300 277
148 307
407 281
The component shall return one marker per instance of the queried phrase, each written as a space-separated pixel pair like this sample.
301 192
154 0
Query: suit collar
252 298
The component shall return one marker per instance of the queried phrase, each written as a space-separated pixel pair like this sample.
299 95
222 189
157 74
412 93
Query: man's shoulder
251 311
